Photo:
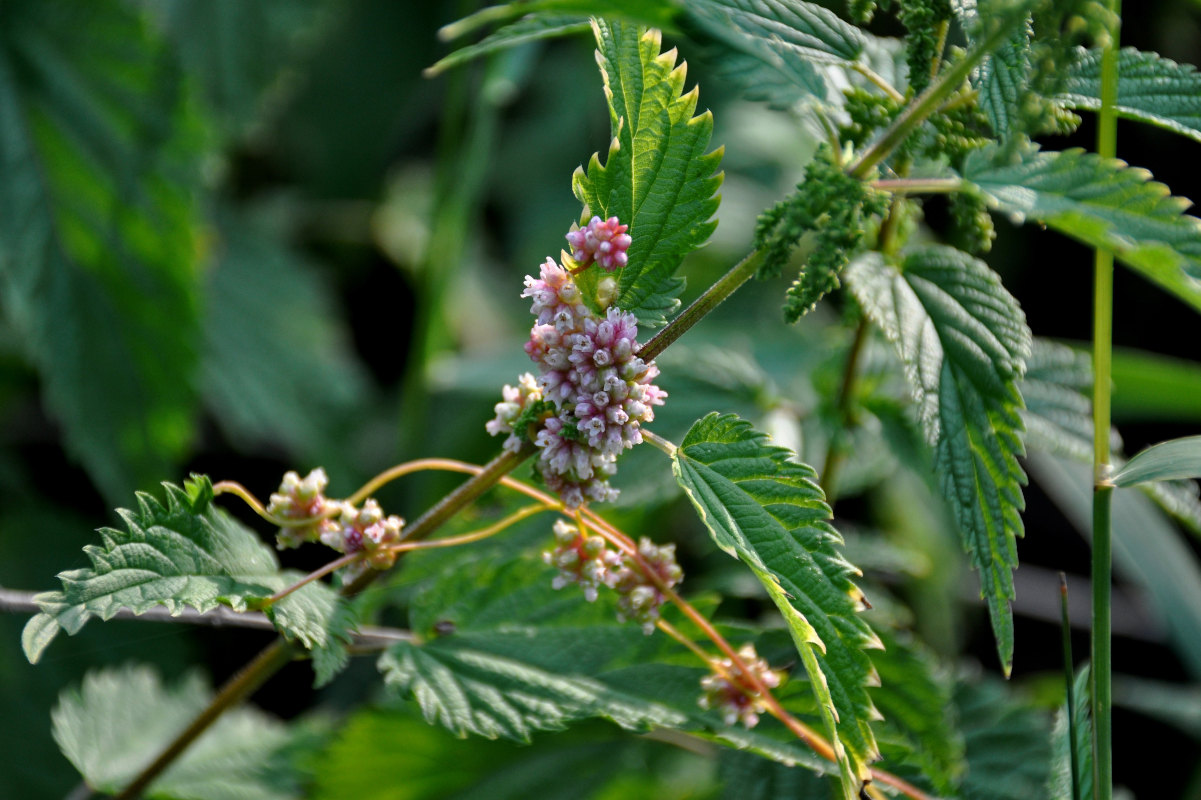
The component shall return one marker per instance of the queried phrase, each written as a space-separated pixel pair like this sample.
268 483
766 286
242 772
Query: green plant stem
834 455
1069 677
930 100
919 185
711 299
1102 677
235 690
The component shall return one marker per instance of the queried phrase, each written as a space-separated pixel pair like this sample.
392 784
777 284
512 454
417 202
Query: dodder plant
580 616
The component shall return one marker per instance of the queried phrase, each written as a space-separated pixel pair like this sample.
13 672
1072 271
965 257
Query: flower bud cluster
300 499
730 692
587 561
639 598
336 523
600 391
581 559
365 528
602 241
516 399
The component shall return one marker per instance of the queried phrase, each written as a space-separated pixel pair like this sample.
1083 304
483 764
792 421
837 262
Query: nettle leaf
185 553
116 723
1060 780
532 28
1001 78
918 728
1151 89
278 365
1006 742
964 342
1058 419
777 51
99 231
1103 203
767 510
501 654
657 177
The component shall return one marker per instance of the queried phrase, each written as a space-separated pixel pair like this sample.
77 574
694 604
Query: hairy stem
930 100
708 301
1102 566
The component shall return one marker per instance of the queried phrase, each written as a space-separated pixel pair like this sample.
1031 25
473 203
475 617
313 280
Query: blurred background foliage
243 237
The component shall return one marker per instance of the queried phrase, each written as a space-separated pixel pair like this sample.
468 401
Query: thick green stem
708 301
930 100
1103 491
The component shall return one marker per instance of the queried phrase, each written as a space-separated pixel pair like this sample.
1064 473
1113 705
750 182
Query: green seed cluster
829 210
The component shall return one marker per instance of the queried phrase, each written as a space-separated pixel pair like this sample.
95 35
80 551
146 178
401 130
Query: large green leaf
1001 79
964 342
765 509
185 553
120 718
99 245
500 653
1151 89
1103 203
1006 742
278 366
657 177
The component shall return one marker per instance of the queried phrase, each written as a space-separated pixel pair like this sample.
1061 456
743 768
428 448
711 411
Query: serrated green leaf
1060 780
963 341
185 553
532 28
1058 420
657 177
1000 80
99 230
1167 461
520 657
118 721
1151 89
918 726
277 365
1006 743
746 777
1103 203
767 510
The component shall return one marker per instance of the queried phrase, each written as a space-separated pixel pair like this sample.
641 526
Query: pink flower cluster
587 561
602 241
601 390
334 523
729 691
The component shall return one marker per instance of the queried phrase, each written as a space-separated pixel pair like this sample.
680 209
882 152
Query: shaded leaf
1167 461
1006 744
1103 203
1151 89
99 230
119 719
1060 782
657 177
767 510
532 28
963 341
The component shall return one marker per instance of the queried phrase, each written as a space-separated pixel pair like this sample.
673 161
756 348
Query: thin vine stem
1102 566
256 505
